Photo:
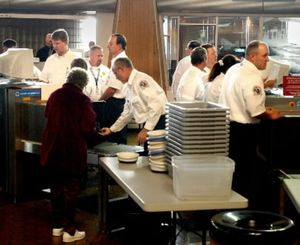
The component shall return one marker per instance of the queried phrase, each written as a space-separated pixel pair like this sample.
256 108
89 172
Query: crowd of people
94 102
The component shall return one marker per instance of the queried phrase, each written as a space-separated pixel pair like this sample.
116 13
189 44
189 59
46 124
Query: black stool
246 227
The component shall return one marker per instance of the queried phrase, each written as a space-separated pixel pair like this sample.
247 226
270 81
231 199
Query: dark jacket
44 52
70 124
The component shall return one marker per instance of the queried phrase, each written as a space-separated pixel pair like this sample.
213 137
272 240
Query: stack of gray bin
196 128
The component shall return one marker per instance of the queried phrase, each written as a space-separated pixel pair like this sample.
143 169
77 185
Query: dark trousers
112 110
161 124
64 190
99 109
243 142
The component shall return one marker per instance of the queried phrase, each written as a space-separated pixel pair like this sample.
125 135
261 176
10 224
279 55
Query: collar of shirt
131 77
64 55
120 55
249 65
94 68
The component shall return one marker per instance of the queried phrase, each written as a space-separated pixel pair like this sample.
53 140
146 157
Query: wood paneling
138 21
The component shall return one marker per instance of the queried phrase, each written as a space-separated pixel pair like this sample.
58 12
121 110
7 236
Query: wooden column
138 21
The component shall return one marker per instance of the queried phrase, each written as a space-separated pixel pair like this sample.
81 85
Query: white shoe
57 231
78 235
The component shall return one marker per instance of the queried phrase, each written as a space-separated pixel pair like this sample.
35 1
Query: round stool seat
248 227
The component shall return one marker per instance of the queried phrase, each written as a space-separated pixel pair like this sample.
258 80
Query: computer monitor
17 63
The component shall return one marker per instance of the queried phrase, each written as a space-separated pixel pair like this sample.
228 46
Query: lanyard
96 78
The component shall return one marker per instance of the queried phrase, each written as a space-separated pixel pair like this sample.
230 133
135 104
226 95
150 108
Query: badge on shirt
257 90
143 84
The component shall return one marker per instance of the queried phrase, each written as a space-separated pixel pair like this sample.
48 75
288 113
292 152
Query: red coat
70 122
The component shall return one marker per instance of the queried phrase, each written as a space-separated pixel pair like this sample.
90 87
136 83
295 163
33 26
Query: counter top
153 192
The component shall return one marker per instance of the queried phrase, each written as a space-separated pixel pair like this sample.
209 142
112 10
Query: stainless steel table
153 192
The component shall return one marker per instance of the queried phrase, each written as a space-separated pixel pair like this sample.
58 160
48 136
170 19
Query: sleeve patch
143 84
257 90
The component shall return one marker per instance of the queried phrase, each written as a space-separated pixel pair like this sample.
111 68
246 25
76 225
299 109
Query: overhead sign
291 85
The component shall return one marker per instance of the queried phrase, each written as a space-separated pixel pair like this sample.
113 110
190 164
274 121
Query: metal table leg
173 228
103 200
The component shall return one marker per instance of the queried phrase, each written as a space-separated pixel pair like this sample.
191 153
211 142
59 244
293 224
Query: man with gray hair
191 86
98 75
70 127
145 101
243 92
183 65
57 65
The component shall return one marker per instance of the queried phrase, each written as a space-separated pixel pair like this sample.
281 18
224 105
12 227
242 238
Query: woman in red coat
70 126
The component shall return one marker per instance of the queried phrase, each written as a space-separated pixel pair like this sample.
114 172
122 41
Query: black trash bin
246 227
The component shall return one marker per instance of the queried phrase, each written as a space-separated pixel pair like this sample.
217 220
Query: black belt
115 99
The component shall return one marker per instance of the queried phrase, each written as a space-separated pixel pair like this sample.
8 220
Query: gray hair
253 46
123 62
79 62
95 47
78 76
198 55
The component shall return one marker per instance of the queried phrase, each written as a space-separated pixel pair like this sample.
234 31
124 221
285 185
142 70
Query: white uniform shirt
56 68
97 77
243 92
191 86
145 102
113 82
182 66
213 89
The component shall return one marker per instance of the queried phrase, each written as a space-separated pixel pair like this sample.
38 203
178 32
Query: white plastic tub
202 176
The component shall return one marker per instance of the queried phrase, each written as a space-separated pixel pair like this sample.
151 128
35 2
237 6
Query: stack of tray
196 128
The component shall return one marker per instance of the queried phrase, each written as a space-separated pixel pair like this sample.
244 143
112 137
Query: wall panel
138 21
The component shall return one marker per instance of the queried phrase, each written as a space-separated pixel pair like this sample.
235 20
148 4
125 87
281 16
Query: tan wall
139 22
104 28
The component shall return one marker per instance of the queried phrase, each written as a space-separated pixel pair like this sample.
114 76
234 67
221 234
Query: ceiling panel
291 7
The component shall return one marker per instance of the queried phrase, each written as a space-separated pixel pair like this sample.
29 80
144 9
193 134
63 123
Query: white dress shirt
243 92
145 102
181 67
213 88
113 82
191 86
56 68
97 77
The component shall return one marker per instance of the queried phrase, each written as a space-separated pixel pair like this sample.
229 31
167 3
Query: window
231 34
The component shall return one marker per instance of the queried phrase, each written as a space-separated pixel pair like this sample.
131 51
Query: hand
105 131
142 136
270 83
273 113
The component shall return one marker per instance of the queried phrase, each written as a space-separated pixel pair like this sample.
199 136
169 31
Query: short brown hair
60 34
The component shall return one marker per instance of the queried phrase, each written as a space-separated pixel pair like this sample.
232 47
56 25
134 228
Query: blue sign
28 93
